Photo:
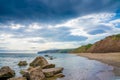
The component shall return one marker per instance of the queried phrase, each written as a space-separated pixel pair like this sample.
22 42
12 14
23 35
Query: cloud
34 26
69 34
61 34
24 11
93 26
82 25
15 26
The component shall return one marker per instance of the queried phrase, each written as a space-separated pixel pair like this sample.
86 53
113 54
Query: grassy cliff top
115 37
83 48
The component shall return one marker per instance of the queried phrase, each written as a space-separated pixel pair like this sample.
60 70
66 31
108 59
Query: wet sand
112 59
109 58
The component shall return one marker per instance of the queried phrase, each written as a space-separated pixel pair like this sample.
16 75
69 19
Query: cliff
109 44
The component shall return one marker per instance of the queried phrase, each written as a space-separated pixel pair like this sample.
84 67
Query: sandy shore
109 58
112 59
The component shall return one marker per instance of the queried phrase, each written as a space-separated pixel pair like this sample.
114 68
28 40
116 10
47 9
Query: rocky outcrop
6 72
39 61
22 63
19 78
52 71
35 74
39 69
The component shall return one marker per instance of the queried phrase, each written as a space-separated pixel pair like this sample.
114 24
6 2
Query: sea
75 67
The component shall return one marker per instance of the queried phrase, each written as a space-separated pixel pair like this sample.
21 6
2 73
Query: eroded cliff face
109 44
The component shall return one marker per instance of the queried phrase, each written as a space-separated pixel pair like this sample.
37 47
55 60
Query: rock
22 63
52 78
48 66
30 68
48 74
6 72
26 74
39 61
59 75
46 55
22 72
19 78
51 58
35 74
52 71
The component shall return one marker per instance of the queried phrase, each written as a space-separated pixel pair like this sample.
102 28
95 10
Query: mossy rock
22 63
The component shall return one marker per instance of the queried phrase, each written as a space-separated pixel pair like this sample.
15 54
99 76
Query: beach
112 59
109 58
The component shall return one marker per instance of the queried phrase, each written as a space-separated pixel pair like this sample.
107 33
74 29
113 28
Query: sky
29 26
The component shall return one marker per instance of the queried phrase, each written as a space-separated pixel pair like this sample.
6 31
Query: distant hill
109 44
56 51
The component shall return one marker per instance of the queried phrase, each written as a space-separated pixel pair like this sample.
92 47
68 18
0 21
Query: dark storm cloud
51 10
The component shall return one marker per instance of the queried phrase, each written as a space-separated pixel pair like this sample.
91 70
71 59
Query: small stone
46 55
22 63
51 58
22 71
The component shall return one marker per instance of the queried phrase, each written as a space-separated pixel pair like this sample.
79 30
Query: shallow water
75 67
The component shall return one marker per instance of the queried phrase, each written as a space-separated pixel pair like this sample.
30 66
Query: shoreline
112 59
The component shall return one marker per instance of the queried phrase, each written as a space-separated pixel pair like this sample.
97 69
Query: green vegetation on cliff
116 37
82 49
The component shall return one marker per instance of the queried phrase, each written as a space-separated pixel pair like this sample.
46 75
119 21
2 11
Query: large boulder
19 78
39 61
52 71
6 72
34 74
22 63
48 66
